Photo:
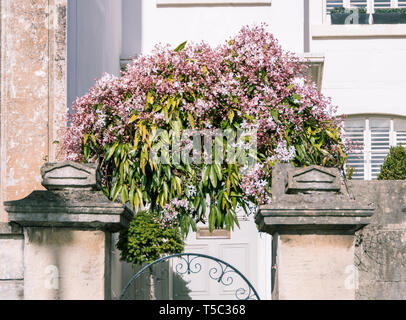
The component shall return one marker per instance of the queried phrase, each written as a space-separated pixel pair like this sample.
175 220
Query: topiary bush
146 240
143 127
394 166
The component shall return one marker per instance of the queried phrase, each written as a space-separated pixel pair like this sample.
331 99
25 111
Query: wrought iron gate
188 263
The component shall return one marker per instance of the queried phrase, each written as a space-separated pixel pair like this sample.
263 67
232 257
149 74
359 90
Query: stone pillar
313 221
67 234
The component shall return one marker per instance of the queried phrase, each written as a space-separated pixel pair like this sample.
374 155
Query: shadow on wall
168 285
131 29
101 34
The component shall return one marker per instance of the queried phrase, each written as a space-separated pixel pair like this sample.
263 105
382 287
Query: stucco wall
364 64
33 91
365 74
212 23
380 249
94 43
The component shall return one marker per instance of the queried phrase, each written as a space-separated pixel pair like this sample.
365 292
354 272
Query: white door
244 248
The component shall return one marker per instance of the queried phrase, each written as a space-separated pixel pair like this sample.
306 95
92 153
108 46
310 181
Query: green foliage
391 10
132 126
147 240
313 146
394 167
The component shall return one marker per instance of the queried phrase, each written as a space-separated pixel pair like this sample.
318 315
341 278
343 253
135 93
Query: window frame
367 151
370 6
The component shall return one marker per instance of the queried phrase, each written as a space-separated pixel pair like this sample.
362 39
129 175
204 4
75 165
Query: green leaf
180 47
275 114
112 149
150 98
205 175
124 194
217 167
212 218
231 116
191 120
213 176
133 118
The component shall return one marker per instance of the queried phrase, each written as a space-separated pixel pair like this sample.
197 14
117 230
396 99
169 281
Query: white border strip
212 2
364 31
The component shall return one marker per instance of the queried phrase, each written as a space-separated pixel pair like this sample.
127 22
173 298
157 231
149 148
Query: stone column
67 234
313 221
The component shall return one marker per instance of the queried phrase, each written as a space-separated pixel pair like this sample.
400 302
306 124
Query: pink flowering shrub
249 83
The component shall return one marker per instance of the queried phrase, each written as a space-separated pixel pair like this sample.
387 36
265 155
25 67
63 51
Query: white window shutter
382 4
400 131
354 130
380 144
331 4
359 3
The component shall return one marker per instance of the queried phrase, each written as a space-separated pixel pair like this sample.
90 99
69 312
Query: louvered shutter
354 130
400 131
380 144
358 3
382 4
331 4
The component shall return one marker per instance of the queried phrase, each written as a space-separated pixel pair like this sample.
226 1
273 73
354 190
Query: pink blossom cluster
172 210
254 183
283 153
249 74
247 83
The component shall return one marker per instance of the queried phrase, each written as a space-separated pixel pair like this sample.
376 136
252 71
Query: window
370 5
345 3
376 135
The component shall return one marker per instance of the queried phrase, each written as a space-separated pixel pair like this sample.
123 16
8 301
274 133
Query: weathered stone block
66 264
380 251
12 290
68 174
312 206
314 267
70 202
11 253
313 179
82 209
313 223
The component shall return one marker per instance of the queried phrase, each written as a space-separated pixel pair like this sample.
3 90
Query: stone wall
380 249
11 263
33 91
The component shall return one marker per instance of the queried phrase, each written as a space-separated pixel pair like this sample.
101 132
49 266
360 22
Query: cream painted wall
94 43
365 65
365 75
211 23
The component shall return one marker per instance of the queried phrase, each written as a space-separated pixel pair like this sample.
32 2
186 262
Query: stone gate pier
61 237
313 221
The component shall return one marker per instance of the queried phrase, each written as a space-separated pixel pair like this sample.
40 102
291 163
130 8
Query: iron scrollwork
188 263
